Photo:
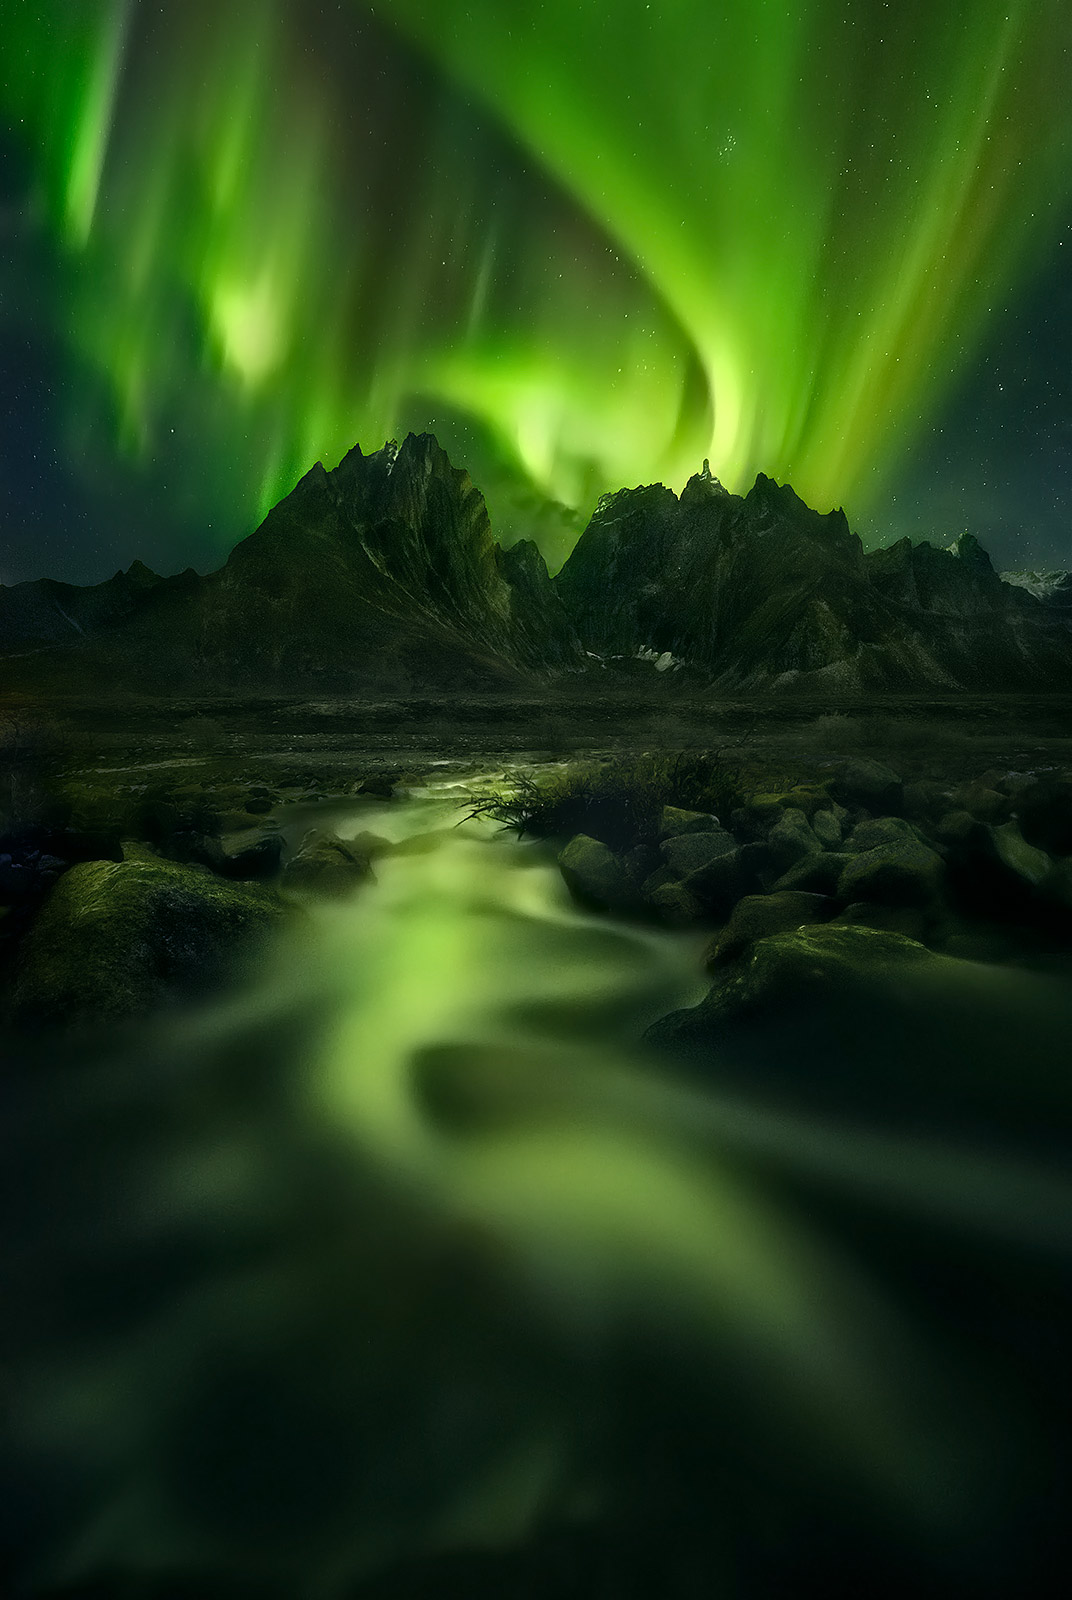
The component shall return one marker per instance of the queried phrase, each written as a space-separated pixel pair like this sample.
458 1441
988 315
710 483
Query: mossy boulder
926 799
995 871
672 903
326 865
826 826
116 939
1026 862
792 969
869 784
873 831
900 873
814 874
756 818
758 916
692 852
674 820
790 840
989 805
721 883
852 1021
807 798
595 875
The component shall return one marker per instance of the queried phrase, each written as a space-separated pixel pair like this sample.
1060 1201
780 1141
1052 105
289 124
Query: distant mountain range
384 574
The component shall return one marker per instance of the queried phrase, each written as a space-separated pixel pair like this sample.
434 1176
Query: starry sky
587 244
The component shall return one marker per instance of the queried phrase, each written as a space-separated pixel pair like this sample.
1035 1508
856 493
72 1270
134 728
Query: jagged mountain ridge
760 591
47 612
385 573
388 562
381 572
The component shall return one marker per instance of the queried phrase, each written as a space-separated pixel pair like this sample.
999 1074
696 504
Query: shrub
620 802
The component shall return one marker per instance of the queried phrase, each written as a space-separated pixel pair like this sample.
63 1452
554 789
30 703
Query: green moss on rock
115 939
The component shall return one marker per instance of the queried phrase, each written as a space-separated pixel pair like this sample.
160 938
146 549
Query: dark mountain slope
384 574
761 591
45 612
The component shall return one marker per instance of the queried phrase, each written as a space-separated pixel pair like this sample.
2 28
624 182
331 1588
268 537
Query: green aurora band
604 241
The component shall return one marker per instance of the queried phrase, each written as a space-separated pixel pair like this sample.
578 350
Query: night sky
586 243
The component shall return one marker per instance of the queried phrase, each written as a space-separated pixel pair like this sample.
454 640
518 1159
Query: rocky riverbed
396 1206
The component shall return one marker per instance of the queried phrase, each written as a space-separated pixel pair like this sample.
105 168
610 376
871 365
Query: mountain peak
968 549
384 572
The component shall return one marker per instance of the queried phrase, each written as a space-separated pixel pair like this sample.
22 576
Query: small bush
619 803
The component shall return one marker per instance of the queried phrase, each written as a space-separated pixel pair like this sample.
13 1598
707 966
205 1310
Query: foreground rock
758 916
595 874
327 865
849 1019
904 873
116 939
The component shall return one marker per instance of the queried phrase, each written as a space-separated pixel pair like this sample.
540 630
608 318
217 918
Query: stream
405 1246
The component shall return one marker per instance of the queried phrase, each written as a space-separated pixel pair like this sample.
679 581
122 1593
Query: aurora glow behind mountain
602 241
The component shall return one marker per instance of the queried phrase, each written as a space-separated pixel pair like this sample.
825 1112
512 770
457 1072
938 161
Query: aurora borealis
586 244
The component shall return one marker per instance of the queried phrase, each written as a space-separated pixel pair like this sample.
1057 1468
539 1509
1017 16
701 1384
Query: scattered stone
380 784
691 852
925 800
595 874
720 884
814 874
757 916
326 865
870 784
673 903
261 859
259 805
902 873
371 844
1025 861
789 841
641 862
826 827
873 831
674 821
988 805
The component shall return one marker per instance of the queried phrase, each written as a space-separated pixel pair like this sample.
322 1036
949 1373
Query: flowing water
405 1245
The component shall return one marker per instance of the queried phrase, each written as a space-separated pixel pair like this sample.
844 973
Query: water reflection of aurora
407 1248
